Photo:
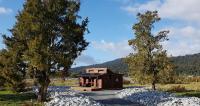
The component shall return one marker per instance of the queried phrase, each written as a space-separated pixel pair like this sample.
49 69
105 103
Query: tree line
187 65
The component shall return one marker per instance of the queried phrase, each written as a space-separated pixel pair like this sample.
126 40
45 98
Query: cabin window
110 76
100 70
90 70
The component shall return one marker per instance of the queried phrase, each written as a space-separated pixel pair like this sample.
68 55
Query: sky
111 24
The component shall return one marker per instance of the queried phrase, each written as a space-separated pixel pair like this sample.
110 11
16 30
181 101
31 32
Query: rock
182 101
156 98
64 96
69 100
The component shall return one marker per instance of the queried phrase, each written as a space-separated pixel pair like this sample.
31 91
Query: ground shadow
134 87
189 93
197 94
17 97
94 94
117 102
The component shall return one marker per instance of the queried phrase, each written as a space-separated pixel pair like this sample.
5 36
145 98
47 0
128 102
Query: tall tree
52 33
149 58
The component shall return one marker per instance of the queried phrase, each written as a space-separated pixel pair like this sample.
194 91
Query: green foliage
49 35
149 60
12 70
12 66
187 65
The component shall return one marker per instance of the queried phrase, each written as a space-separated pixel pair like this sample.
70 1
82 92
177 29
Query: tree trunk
153 85
42 95
154 81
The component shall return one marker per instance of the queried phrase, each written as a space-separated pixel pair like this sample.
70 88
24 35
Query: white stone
156 98
63 96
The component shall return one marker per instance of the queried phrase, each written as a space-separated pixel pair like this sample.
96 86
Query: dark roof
90 75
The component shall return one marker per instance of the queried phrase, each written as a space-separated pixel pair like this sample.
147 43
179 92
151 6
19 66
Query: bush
2 82
126 81
178 88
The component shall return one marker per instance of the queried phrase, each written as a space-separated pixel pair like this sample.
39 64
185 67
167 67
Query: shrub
177 88
2 82
126 81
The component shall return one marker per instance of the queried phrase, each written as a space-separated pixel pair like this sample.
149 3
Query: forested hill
118 66
185 65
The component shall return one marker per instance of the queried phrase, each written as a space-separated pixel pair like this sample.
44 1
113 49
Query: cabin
100 78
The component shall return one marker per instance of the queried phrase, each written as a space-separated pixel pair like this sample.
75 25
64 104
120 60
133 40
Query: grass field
67 82
58 82
8 98
191 89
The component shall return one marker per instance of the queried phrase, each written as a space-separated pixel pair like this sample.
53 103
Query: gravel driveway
109 98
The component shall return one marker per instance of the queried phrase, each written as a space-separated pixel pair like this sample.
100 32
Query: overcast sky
111 22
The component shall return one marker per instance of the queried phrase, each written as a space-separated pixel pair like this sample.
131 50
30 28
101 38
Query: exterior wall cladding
102 78
112 81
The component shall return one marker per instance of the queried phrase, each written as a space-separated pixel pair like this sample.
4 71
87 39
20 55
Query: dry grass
190 89
57 82
178 88
192 86
67 82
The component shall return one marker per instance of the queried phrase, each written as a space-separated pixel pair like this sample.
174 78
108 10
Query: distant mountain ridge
184 65
187 65
117 65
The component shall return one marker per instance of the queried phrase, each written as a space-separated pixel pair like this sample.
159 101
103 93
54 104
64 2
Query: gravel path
109 98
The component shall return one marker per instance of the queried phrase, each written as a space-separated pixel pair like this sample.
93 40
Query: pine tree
52 33
149 58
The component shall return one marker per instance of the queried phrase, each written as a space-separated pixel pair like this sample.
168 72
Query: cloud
186 10
85 60
119 49
133 9
4 10
184 40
